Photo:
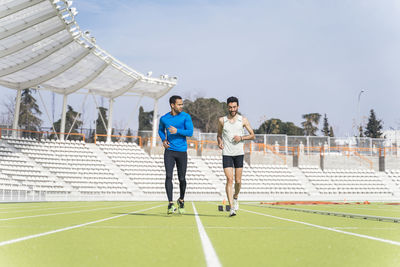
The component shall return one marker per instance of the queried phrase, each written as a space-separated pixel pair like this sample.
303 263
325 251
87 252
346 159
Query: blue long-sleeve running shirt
183 123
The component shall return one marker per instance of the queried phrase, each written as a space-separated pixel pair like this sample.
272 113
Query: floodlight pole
109 126
155 122
16 112
63 116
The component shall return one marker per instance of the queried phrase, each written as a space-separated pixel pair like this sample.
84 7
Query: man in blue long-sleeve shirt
173 129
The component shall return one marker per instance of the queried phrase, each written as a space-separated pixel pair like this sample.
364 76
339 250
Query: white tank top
232 148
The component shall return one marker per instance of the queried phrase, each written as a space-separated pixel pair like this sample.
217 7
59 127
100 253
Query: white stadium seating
346 181
74 170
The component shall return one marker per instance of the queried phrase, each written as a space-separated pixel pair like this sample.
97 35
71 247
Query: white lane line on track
68 212
191 227
208 249
53 208
8 242
15 207
24 206
328 228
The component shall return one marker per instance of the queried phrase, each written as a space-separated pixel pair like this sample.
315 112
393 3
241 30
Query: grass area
142 234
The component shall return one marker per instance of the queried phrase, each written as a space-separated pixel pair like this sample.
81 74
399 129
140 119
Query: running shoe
233 213
181 206
171 208
236 204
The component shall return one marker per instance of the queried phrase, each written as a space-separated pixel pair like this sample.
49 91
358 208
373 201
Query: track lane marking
68 212
12 241
25 204
53 208
208 249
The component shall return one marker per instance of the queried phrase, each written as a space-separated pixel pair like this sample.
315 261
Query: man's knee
229 180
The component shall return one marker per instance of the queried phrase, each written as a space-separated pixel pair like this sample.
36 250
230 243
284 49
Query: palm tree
311 122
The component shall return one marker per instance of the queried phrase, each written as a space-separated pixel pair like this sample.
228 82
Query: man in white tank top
230 140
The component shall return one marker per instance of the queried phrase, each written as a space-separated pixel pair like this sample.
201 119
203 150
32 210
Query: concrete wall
159 150
269 158
341 162
392 163
344 162
210 152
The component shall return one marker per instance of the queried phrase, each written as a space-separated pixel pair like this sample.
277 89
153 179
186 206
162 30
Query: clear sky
281 58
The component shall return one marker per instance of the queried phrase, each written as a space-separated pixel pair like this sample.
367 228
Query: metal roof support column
109 126
155 122
63 117
16 112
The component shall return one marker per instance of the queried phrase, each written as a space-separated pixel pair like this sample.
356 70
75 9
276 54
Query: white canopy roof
41 46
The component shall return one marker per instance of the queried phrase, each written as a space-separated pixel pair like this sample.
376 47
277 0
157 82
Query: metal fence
366 145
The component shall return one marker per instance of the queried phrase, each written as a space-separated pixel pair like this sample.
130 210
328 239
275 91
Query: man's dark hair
232 99
172 99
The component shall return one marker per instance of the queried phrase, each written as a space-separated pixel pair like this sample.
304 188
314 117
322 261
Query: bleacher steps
309 187
209 174
46 172
389 183
122 177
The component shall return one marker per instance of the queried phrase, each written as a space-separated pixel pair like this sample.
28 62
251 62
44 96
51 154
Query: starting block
220 208
227 207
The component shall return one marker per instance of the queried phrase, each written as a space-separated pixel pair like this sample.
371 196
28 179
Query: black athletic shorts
232 161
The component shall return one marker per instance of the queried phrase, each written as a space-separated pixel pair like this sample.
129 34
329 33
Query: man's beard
233 113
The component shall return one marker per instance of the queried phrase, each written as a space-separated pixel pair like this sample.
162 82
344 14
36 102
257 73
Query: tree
8 113
145 120
325 128
205 113
271 126
276 126
310 125
129 133
360 131
29 112
289 128
100 127
69 120
374 126
91 136
331 134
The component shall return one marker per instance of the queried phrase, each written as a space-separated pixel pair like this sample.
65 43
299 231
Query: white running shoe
236 204
233 213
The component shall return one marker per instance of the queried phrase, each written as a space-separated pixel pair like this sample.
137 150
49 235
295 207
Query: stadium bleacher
346 181
261 181
71 166
69 170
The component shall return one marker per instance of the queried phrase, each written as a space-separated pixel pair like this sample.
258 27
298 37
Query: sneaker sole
171 212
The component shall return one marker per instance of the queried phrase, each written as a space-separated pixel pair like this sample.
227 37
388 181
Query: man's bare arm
251 135
219 135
